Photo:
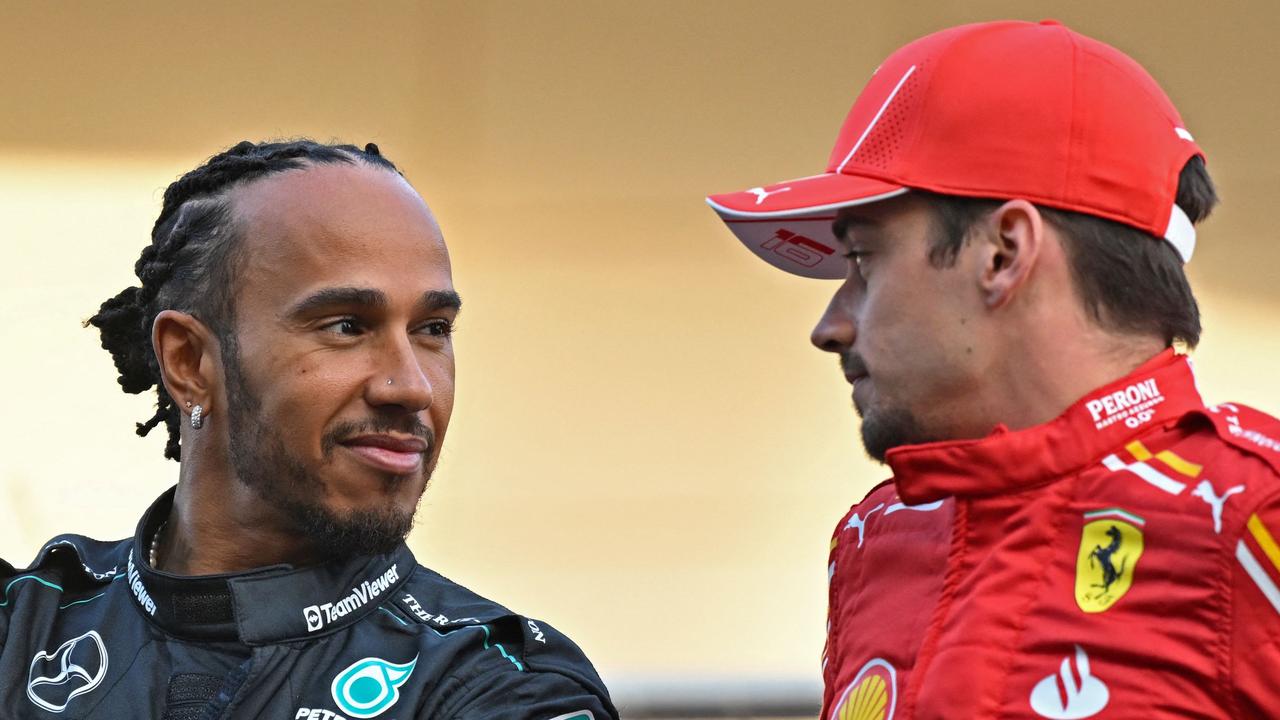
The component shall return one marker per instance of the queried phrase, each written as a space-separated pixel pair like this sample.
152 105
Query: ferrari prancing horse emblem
1110 546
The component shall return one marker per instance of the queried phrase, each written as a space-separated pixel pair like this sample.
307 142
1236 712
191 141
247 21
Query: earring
197 417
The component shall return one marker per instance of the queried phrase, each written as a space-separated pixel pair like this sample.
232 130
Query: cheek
443 384
306 395
908 340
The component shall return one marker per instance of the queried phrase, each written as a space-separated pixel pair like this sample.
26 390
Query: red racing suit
1120 561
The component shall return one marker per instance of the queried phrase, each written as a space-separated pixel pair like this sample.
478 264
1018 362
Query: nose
400 378
836 330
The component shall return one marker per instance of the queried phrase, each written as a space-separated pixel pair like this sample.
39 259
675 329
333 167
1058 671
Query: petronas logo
369 686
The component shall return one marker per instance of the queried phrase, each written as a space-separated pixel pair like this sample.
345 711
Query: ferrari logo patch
1110 546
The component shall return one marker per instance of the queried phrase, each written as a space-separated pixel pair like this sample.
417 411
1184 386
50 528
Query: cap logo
797 248
1182 133
761 193
876 119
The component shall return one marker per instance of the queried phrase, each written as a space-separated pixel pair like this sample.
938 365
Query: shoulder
495 652
883 514
878 533
877 497
1233 449
1253 432
66 566
1207 478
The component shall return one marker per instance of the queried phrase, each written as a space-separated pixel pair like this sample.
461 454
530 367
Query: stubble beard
885 428
265 465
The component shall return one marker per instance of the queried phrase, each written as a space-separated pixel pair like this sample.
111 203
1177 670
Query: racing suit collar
264 605
1158 393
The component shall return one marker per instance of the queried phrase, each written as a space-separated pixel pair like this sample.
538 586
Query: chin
884 429
348 532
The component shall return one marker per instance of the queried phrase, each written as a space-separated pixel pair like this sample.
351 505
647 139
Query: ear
1015 236
187 351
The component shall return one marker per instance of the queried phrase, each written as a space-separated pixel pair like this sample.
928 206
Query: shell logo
873 694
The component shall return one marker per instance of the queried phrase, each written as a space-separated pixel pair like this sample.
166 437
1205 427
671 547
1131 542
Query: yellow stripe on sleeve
1265 541
1186 467
1138 451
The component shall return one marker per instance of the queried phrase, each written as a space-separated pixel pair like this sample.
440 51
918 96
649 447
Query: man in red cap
1070 532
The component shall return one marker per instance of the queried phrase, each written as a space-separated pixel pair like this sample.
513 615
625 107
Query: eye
438 328
343 326
859 259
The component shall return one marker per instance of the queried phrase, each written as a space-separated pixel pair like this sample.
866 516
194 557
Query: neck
1048 369
220 525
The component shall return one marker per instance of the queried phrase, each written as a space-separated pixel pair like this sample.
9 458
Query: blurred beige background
645 449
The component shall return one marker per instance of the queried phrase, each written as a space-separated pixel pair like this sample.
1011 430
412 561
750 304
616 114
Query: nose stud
388 381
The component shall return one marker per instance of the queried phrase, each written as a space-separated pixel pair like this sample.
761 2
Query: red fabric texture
1087 567
1003 109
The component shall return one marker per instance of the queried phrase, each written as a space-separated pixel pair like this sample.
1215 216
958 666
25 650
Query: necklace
155 545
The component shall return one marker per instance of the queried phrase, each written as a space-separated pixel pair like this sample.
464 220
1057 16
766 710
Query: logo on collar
318 616
369 686
1110 546
75 668
1132 405
140 590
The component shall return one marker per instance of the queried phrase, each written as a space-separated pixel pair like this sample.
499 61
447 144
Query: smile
399 455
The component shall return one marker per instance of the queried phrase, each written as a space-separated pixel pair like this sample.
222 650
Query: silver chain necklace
155 545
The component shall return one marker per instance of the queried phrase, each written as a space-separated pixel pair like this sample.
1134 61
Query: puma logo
1204 491
859 522
761 193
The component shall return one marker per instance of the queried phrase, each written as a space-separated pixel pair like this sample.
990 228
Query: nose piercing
388 381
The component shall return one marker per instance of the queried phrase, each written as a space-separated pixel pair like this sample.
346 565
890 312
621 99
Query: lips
853 368
397 454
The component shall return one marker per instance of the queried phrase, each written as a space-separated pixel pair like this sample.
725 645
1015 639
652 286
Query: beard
883 428
265 465
886 428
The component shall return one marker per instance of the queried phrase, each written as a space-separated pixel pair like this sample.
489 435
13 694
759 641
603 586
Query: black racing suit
92 631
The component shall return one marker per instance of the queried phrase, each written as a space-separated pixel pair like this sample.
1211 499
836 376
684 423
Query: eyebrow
846 221
368 298
441 300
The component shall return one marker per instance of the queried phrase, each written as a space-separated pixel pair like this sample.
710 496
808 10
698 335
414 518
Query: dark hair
1130 281
191 262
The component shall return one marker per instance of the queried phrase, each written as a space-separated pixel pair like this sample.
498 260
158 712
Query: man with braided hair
294 315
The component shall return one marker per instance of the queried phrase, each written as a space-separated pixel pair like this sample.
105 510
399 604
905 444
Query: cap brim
788 224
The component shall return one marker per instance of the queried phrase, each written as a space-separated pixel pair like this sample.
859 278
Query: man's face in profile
340 370
904 328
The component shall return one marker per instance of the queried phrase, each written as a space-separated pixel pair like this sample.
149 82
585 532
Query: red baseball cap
1000 110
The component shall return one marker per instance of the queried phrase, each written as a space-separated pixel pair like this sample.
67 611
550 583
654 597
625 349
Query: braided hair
190 264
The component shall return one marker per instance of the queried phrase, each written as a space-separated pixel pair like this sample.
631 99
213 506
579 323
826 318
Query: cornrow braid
191 261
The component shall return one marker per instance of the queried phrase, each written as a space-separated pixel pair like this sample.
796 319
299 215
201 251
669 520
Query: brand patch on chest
1110 545
873 694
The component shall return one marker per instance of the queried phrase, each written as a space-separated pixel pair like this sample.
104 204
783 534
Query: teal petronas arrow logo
369 686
